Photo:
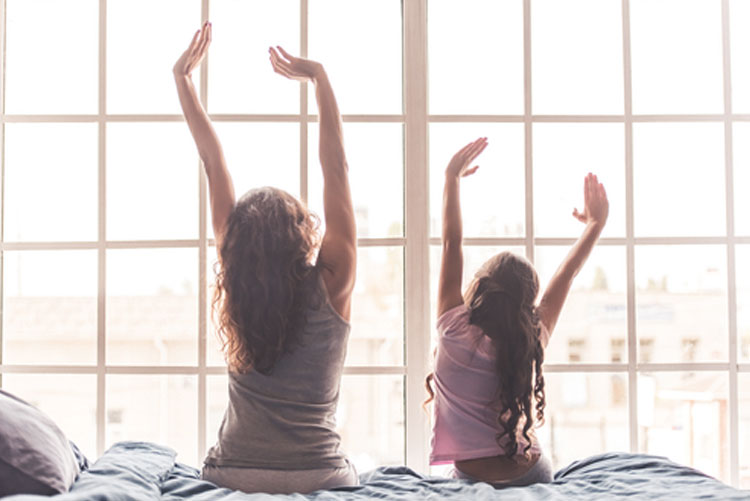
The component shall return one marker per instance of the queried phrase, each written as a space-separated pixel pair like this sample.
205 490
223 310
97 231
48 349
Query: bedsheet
140 471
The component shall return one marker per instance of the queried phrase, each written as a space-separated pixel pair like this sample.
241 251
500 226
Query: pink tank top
465 406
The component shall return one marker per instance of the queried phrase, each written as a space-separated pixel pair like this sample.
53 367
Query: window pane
152 307
217 398
586 414
144 40
161 409
152 182
377 335
743 301
683 415
676 56
375 153
214 355
359 43
57 395
563 155
571 74
492 200
744 402
461 36
51 56
593 324
474 258
39 182
49 307
741 161
739 12
679 179
261 154
681 303
242 80
376 437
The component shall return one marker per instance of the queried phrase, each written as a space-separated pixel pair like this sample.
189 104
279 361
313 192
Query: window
106 292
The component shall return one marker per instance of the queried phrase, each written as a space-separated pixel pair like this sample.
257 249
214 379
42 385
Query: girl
488 363
283 317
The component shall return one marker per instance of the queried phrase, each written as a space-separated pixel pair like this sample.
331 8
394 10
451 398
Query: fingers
469 172
579 216
285 53
279 65
205 39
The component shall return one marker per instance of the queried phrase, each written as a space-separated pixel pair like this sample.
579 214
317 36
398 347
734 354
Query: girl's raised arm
594 216
452 263
209 148
338 250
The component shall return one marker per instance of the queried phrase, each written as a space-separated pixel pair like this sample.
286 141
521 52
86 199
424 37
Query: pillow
35 456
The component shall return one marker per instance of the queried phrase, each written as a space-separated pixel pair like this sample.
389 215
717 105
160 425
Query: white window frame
416 240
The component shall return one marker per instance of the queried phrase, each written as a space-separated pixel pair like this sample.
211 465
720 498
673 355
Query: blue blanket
140 471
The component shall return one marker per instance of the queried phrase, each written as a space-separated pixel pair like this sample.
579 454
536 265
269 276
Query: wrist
596 226
318 74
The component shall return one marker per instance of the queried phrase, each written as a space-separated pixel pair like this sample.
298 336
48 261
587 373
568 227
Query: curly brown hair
266 279
501 301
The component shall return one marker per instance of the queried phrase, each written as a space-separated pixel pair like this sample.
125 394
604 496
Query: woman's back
286 420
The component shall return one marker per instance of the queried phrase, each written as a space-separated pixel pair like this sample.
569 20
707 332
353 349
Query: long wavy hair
265 279
501 301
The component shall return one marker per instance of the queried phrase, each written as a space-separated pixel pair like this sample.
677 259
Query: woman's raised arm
338 251
220 184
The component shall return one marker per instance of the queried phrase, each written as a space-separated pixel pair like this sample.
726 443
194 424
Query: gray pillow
35 456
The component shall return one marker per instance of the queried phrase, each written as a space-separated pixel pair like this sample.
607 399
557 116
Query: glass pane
144 40
743 301
741 161
152 182
492 200
57 395
359 43
261 154
52 52
683 416
49 307
570 74
377 335
685 155
160 409
739 19
681 303
217 398
593 325
586 414
242 80
676 56
152 307
214 355
475 50
376 437
39 182
376 176
744 402
474 258
563 155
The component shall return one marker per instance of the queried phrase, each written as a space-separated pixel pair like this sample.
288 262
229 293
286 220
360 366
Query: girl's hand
459 164
195 53
596 205
294 68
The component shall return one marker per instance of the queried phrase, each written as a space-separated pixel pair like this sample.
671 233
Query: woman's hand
294 68
459 164
195 53
596 205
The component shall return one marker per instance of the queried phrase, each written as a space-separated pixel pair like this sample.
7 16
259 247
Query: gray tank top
286 420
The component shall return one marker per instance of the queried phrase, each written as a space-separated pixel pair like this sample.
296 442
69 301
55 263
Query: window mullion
101 344
417 289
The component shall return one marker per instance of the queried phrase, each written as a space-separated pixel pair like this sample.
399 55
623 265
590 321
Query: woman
283 315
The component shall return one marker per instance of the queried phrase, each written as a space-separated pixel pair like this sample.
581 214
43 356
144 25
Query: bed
139 471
